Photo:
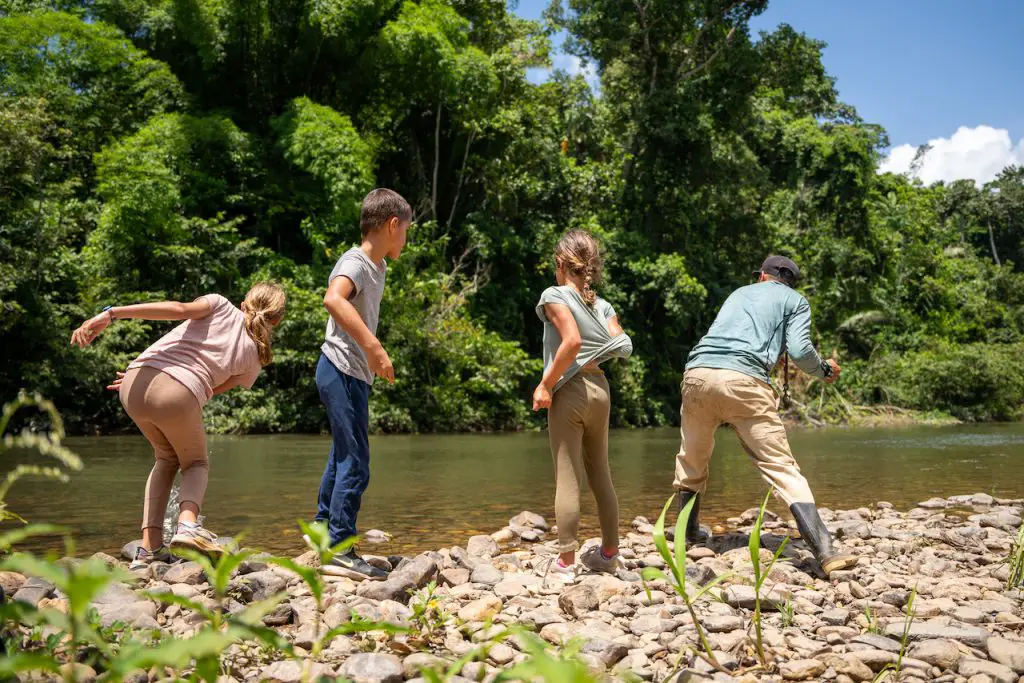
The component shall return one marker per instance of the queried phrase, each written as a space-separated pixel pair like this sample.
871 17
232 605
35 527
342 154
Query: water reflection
432 491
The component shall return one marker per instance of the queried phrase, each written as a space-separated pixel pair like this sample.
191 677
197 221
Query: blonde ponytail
263 307
578 252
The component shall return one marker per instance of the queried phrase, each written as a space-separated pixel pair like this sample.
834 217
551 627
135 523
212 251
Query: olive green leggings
578 431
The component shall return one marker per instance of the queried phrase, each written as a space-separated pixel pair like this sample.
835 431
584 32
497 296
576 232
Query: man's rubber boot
695 533
815 534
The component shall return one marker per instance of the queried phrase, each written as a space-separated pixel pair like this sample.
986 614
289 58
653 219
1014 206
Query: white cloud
977 154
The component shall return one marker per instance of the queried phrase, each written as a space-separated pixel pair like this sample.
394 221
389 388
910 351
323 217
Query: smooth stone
509 589
801 669
129 549
1007 652
372 667
282 614
939 652
529 519
606 587
482 609
415 663
501 654
33 590
397 587
651 624
256 586
849 666
1000 673
722 623
130 613
290 671
578 600
835 617
486 574
454 577
539 618
482 547
969 635
420 570
116 594
185 572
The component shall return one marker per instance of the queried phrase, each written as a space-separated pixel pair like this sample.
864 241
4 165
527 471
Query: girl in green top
581 331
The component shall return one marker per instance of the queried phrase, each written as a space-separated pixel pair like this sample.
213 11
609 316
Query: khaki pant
578 431
169 415
712 398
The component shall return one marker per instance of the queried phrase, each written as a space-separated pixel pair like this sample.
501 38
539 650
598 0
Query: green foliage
1015 561
675 560
761 574
166 149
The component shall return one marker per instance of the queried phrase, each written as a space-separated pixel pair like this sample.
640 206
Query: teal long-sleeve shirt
756 324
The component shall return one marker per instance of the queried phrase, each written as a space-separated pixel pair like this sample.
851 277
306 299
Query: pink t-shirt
205 353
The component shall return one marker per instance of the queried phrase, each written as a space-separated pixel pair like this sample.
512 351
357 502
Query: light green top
597 342
756 324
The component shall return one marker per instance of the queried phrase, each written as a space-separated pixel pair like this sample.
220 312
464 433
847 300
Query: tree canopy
165 149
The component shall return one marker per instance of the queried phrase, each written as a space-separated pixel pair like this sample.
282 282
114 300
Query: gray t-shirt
597 342
368 278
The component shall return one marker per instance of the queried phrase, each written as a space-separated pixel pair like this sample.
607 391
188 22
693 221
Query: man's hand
835 371
541 397
380 364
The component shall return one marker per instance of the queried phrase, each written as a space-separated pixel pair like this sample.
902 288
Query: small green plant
786 610
676 563
428 616
760 575
897 668
1015 560
873 625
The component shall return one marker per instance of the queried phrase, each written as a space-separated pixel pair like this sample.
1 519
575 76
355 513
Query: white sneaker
550 567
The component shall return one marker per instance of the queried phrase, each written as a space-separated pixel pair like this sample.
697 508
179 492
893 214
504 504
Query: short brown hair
380 206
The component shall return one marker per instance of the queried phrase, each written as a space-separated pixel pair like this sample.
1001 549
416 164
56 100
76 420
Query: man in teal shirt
726 382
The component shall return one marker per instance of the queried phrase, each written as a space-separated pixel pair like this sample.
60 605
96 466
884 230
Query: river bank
945 559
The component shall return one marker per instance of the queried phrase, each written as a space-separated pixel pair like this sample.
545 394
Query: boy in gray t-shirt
351 357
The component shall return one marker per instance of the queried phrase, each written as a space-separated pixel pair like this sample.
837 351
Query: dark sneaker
144 558
353 567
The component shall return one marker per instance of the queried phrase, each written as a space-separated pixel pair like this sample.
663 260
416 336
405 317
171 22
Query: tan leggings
712 398
169 415
578 431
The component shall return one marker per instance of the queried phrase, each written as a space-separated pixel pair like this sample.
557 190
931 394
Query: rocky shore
949 554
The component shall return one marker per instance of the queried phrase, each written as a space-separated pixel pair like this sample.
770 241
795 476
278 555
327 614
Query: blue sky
945 72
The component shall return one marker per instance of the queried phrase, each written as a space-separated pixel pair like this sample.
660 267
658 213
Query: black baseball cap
776 265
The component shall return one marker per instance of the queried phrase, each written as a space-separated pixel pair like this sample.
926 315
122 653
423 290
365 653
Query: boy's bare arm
338 304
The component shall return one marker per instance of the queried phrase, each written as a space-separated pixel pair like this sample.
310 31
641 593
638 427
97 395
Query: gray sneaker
144 558
594 559
195 537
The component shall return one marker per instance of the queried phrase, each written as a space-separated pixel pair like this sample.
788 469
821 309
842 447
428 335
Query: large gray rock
606 586
481 610
282 614
461 558
530 520
801 669
421 570
541 617
651 624
140 614
290 671
1000 673
482 547
939 652
722 623
1007 652
372 667
925 630
744 597
454 577
578 600
486 574
116 594
256 586
415 663
397 587
33 590
185 572
608 652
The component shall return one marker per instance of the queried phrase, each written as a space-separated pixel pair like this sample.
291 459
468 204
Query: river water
435 491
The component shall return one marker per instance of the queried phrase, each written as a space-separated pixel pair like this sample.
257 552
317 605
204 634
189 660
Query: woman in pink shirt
218 347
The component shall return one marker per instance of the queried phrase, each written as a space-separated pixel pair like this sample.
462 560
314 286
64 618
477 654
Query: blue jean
348 467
